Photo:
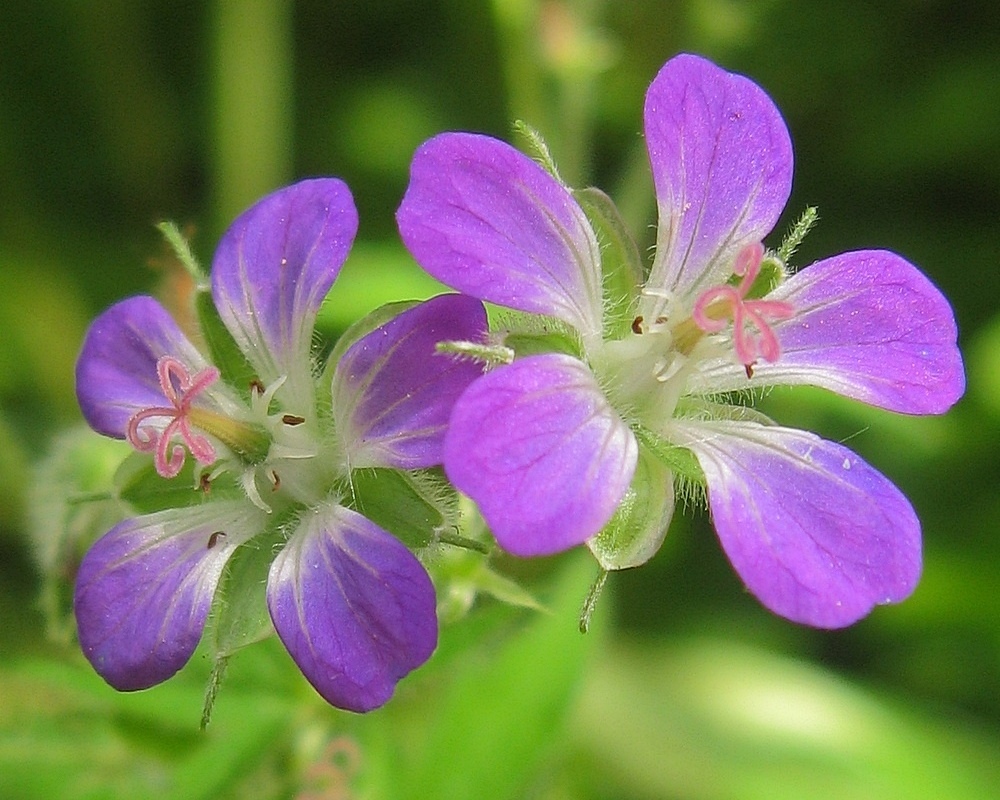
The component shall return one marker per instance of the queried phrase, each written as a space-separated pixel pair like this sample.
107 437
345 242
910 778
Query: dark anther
204 483
257 386
293 419
213 540
749 369
275 481
637 325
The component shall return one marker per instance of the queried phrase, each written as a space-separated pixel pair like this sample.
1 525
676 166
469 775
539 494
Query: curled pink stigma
716 306
180 389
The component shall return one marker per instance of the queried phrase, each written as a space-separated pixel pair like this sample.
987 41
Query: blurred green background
116 114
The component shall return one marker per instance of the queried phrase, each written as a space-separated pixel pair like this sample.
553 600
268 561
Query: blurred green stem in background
252 113
552 52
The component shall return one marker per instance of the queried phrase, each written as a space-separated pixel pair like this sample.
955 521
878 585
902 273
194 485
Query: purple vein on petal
542 453
487 220
722 165
354 607
275 265
393 392
143 590
869 326
818 535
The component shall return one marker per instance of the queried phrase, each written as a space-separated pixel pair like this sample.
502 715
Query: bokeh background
117 114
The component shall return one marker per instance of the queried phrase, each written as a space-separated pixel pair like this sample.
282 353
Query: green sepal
222 348
637 528
137 482
412 506
621 262
532 334
537 148
794 237
678 460
240 615
182 250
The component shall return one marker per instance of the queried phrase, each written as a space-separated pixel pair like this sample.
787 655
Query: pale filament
715 307
180 389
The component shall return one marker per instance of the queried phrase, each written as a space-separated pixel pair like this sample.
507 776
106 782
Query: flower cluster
583 441
608 385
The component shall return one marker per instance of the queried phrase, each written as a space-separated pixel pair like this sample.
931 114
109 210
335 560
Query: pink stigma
716 306
180 389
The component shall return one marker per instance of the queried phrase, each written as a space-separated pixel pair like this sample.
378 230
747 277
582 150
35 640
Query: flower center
753 336
180 389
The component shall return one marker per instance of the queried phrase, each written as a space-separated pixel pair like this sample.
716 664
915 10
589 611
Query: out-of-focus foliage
118 114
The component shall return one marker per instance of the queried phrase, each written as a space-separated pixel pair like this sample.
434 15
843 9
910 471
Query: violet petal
818 535
542 453
116 371
393 393
868 325
487 220
144 589
722 167
275 265
354 607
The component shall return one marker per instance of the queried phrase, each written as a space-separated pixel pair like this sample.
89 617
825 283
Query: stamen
715 307
213 540
180 389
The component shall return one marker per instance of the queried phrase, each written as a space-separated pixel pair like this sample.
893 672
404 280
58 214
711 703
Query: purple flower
275 453
586 443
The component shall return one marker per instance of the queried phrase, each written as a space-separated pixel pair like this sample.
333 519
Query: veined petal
354 607
868 325
487 220
393 393
542 452
116 372
818 535
144 589
722 167
275 265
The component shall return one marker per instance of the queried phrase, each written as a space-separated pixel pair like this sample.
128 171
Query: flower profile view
254 450
624 381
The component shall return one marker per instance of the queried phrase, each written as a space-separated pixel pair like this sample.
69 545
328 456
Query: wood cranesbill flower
276 444
623 382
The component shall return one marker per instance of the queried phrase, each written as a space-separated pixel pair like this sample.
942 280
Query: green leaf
501 713
89 742
717 720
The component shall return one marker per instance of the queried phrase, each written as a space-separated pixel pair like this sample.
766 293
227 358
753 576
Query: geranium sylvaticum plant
612 383
257 467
